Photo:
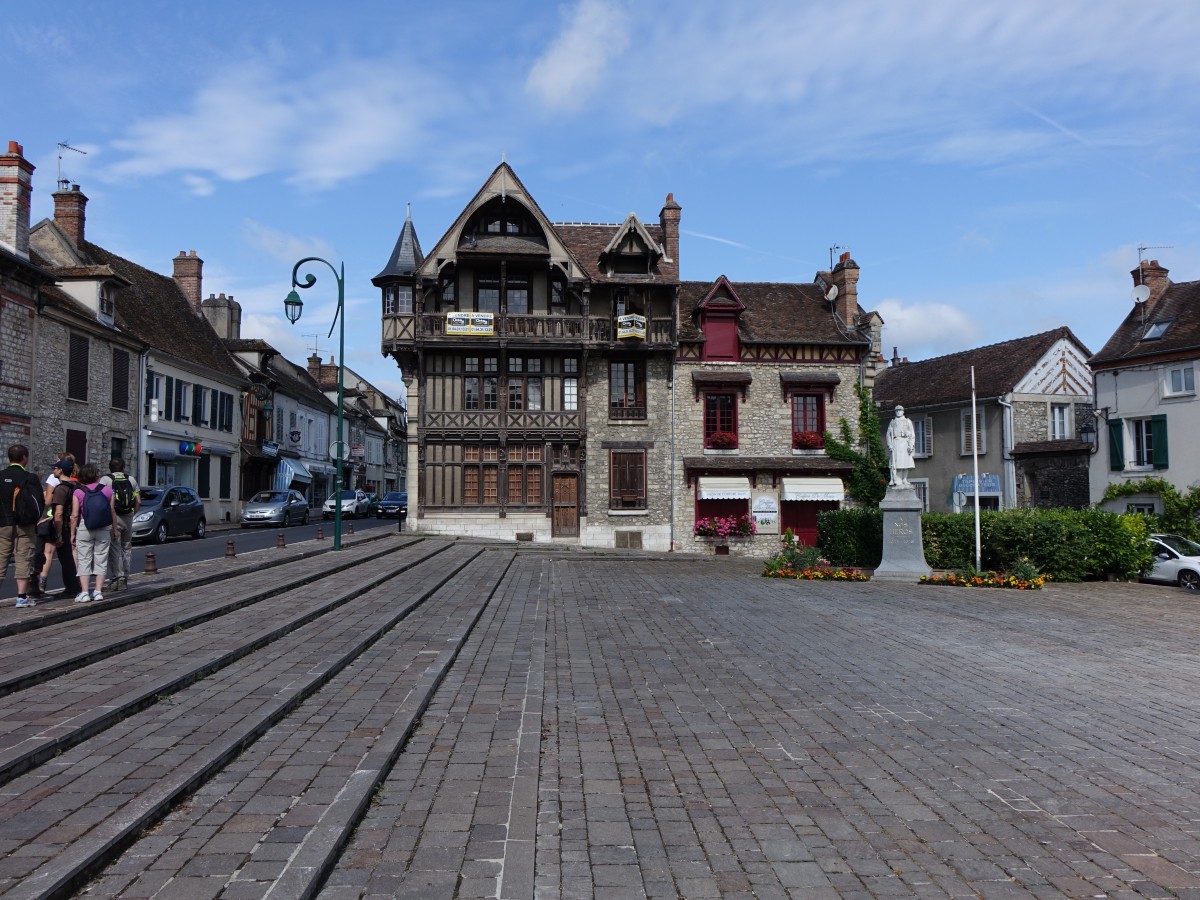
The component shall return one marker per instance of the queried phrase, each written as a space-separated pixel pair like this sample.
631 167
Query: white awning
813 489
290 470
723 489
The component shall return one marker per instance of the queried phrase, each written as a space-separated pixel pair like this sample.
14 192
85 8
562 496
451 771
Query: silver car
281 508
354 505
1176 560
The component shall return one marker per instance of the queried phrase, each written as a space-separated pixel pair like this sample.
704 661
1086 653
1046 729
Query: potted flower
808 440
725 527
722 440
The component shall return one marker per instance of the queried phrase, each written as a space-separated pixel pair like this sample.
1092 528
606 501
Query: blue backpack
96 512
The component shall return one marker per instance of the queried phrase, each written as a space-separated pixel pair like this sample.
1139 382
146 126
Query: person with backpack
126 501
20 509
54 530
93 524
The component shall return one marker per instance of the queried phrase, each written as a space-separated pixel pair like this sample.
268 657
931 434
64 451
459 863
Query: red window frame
720 417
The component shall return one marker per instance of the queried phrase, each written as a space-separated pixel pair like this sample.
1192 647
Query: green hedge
1067 544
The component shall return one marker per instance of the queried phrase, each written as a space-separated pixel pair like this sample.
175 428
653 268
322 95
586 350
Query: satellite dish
1141 293
832 293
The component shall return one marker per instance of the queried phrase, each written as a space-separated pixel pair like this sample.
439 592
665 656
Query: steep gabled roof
947 379
588 243
406 257
775 313
1179 305
155 309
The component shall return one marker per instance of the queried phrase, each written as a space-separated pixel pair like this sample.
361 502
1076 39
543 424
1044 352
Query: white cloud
568 73
923 330
280 246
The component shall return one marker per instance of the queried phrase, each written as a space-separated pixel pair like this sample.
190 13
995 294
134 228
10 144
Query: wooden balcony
492 420
402 330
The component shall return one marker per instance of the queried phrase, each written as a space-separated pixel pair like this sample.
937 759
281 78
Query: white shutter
928 439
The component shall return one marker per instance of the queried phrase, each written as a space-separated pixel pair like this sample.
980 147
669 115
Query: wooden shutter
77 365
169 399
1116 445
1158 440
179 384
120 379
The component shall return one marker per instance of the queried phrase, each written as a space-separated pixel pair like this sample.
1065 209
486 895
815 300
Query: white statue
901 441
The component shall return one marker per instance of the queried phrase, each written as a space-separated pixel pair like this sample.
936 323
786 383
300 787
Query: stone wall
17 325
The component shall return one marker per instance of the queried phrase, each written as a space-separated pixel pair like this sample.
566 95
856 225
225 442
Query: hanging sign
470 323
631 327
270 448
294 435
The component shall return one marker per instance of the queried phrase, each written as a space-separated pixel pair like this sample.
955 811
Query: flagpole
975 461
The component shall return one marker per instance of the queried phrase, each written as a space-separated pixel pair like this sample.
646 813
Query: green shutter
1158 439
1116 445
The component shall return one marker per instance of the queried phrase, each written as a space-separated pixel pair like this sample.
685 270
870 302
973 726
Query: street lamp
293 306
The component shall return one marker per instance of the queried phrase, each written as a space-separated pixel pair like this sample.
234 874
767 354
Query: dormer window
107 304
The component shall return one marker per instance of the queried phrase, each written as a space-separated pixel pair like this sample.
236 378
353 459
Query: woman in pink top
92 542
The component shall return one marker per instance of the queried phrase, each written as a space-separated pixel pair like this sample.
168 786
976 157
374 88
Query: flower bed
813 573
987 579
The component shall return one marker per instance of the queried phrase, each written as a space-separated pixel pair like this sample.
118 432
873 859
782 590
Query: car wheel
304 521
199 532
1189 580
160 533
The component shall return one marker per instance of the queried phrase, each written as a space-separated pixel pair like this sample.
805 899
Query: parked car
354 505
168 511
372 504
1176 561
275 508
393 505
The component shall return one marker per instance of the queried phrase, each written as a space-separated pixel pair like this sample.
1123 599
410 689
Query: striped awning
290 470
711 488
813 489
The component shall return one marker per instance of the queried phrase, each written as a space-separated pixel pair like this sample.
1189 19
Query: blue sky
992 166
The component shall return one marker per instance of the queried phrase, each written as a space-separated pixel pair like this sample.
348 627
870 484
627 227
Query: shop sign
270 448
188 448
631 327
294 435
765 508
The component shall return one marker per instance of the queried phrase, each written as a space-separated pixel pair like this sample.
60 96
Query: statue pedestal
903 553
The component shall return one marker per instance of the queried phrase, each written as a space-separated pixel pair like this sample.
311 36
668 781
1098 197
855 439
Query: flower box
726 527
721 440
808 440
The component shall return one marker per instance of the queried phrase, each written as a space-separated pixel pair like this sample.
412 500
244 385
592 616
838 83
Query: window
1156 330
398 299
923 433
720 421
77 443
77 369
921 486
224 422
448 294
1181 380
116 448
973 433
1060 421
516 295
1148 442
627 390
182 394
200 405
481 468
120 379
570 394
487 292
1142 509
524 391
525 475
808 419
106 301
627 479
558 296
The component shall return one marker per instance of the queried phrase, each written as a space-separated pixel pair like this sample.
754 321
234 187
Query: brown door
801 517
566 505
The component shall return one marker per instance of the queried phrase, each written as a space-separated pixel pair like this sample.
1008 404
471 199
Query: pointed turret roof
406 257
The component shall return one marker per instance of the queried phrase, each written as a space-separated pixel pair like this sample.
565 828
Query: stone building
764 369
1033 411
22 284
185 429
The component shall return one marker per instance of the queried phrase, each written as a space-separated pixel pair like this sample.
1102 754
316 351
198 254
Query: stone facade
17 327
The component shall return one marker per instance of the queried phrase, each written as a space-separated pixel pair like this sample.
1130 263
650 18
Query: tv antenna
63 145
315 347
832 250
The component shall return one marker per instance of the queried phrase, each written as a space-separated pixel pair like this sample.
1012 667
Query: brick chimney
1154 277
69 209
845 276
668 218
188 268
16 186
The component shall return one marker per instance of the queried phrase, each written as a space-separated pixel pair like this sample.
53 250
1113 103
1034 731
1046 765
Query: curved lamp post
293 306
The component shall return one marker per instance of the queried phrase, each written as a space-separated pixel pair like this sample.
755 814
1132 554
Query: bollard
230 550
349 528
320 533
151 563
281 541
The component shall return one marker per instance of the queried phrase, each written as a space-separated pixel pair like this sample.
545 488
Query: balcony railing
593 329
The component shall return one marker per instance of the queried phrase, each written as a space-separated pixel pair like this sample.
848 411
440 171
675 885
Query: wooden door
801 517
566 505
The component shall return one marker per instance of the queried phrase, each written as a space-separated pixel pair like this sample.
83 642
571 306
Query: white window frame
923 447
1184 385
571 394
921 485
1060 430
1140 452
965 432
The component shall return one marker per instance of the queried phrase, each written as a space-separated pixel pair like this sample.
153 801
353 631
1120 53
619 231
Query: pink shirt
104 489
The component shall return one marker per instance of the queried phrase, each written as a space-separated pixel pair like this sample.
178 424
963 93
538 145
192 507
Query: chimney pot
14 147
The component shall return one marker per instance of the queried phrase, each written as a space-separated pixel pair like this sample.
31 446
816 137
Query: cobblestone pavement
554 724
